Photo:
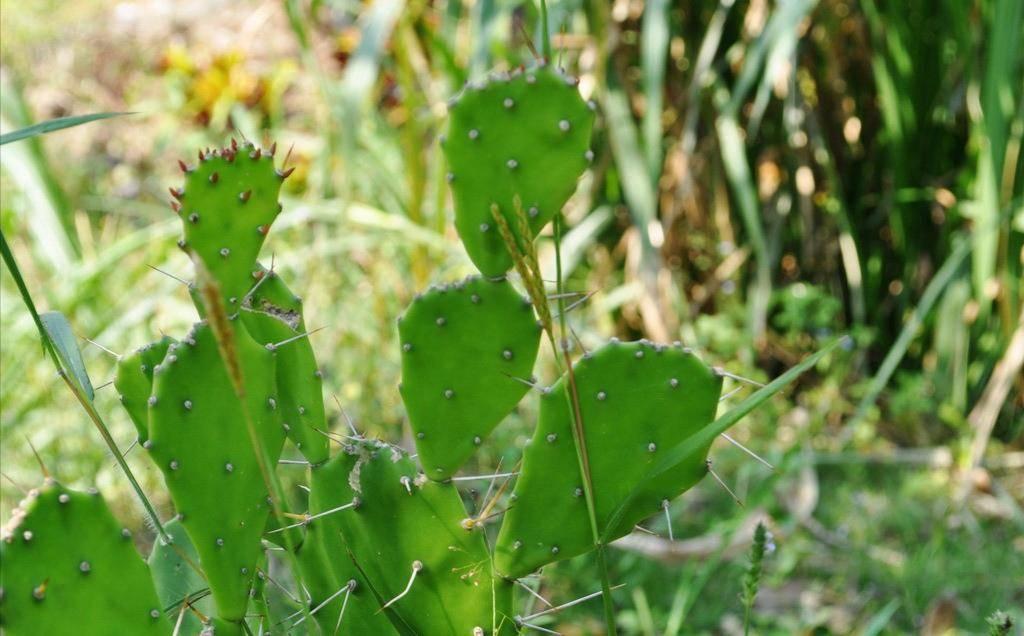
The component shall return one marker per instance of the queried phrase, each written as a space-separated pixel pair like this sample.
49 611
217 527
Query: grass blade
83 400
899 348
54 125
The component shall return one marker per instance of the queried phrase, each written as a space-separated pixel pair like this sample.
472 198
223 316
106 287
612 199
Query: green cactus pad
404 519
173 566
227 206
273 314
324 544
70 568
637 400
524 136
200 441
134 382
463 346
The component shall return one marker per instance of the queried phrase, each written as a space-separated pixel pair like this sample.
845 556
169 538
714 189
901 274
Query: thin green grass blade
677 454
924 306
86 403
654 54
55 124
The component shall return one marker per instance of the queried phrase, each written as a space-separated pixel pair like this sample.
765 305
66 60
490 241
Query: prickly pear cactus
272 315
179 582
134 382
519 141
436 579
227 205
468 350
199 438
70 568
636 400
331 496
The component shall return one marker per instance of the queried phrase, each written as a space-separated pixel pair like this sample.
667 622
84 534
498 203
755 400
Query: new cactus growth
134 382
468 350
227 205
637 399
514 142
272 315
70 568
198 438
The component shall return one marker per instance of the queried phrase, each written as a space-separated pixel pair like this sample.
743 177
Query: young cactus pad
272 315
463 348
407 537
522 140
636 400
227 206
199 439
174 566
134 382
70 568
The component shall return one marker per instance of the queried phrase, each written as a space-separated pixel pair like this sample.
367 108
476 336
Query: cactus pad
173 566
636 400
273 314
463 346
453 590
70 568
325 561
227 206
525 138
200 441
134 382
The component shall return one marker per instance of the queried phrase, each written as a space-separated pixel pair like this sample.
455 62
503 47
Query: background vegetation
767 174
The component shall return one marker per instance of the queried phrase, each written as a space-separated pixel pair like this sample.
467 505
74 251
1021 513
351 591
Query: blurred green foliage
766 174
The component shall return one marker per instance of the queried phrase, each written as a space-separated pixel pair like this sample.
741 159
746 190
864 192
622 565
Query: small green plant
385 545
761 545
999 624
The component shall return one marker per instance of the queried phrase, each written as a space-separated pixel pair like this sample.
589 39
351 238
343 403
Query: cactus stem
521 620
747 451
417 565
723 484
